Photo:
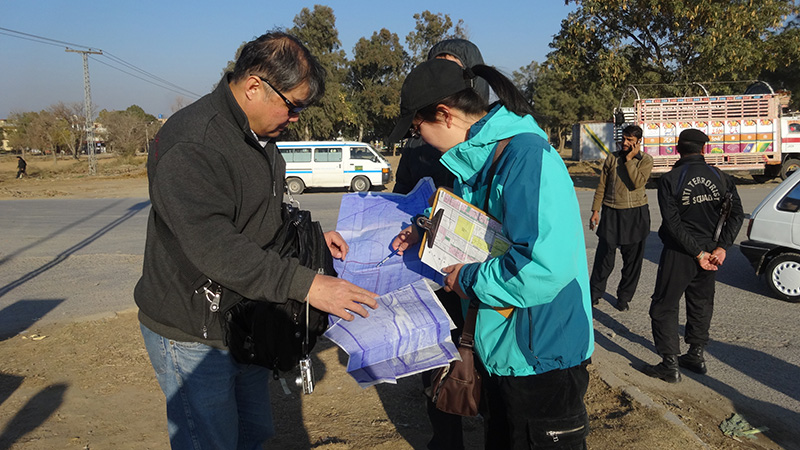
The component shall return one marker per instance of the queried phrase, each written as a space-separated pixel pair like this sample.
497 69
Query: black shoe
694 360
622 305
666 370
595 301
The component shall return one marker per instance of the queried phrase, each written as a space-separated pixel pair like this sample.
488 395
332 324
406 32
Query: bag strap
468 332
492 169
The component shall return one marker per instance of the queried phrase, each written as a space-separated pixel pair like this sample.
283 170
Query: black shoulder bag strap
492 169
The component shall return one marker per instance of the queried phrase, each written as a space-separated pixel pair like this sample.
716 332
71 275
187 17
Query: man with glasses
216 187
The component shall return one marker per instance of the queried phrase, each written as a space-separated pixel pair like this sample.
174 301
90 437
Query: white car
773 239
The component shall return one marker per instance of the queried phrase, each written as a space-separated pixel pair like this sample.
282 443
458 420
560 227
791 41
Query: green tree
431 28
22 135
43 131
375 78
660 45
128 131
316 29
786 76
673 41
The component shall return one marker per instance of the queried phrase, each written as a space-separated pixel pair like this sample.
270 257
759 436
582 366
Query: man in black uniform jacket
690 197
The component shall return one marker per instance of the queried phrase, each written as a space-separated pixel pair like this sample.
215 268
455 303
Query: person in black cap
691 198
533 337
420 160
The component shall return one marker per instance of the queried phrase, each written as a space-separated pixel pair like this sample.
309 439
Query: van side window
332 154
791 202
296 154
361 153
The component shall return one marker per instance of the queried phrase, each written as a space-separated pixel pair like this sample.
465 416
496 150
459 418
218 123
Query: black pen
394 252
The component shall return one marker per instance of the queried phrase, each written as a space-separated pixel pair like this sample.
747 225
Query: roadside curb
610 378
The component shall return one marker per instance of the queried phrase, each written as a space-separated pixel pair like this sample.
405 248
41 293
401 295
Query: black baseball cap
428 83
693 135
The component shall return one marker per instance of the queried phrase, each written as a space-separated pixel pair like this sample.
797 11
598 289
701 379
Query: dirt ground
89 385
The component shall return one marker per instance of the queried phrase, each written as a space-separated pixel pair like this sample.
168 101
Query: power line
31 39
114 60
48 40
144 72
145 80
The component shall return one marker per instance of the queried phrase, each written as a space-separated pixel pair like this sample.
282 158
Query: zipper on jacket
530 337
556 435
213 293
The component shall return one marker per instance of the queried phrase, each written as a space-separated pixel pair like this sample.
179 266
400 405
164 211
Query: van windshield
380 157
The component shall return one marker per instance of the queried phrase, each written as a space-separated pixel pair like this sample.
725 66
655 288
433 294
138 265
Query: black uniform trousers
632 256
679 274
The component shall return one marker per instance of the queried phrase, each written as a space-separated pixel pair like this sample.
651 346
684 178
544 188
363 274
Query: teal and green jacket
544 275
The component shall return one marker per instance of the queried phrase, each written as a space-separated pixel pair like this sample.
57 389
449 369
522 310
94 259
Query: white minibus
333 164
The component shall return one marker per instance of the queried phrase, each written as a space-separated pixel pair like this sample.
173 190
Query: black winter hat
428 83
691 141
693 135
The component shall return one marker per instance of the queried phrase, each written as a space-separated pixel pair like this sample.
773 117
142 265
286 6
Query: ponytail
470 102
506 92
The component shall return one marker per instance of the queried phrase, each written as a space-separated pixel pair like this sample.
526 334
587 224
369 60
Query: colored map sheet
409 332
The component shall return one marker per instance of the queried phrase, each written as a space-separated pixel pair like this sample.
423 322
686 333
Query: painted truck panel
745 131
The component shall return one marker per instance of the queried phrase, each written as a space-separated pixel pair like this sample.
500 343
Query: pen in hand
394 252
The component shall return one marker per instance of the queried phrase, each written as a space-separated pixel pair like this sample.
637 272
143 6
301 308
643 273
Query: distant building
7 128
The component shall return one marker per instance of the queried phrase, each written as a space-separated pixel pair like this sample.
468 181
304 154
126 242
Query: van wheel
788 167
783 276
295 186
360 184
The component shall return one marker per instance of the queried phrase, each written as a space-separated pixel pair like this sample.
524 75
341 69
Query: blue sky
187 43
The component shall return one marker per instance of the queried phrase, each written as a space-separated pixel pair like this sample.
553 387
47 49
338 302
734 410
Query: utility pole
87 103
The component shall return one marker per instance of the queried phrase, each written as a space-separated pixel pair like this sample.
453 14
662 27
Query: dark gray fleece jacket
219 193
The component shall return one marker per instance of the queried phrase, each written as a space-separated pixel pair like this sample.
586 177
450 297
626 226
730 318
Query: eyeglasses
293 109
414 130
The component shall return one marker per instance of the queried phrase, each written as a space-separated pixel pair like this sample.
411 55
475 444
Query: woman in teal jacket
535 356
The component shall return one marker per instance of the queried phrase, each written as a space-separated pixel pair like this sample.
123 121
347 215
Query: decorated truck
752 132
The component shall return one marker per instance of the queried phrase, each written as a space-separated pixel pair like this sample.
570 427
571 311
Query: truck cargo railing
752 162
722 107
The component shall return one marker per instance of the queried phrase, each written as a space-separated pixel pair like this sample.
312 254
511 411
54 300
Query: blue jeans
213 402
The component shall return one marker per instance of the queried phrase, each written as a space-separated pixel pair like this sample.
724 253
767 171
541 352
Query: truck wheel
360 184
789 166
783 276
295 186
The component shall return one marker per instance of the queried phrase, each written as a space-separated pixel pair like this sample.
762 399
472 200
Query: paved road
753 356
69 259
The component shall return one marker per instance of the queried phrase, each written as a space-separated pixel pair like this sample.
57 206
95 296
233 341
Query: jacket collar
225 103
467 159
694 158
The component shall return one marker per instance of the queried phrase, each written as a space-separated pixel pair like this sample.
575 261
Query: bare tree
178 104
73 134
